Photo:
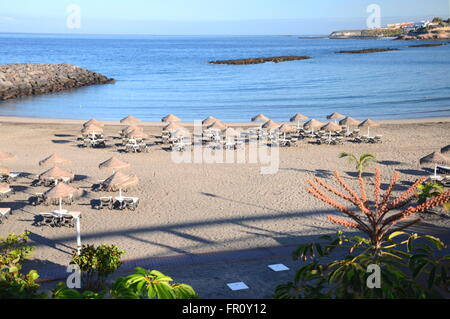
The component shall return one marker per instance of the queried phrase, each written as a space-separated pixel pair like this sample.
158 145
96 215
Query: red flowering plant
405 260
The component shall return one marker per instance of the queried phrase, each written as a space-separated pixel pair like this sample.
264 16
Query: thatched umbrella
4 156
137 134
209 120
92 129
446 150
93 122
286 128
299 117
368 123
312 124
349 121
120 181
171 118
132 128
60 191
331 127
130 120
172 126
231 133
56 173
54 160
335 116
260 118
435 158
270 125
115 164
182 132
217 125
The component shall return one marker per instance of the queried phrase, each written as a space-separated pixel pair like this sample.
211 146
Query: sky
207 17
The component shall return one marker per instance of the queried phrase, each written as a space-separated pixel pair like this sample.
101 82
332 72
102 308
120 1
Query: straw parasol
120 181
137 134
172 126
286 128
217 125
260 118
4 171
445 150
60 191
182 132
270 125
56 173
435 158
368 123
130 120
231 132
349 121
209 120
93 122
132 128
54 160
4 156
91 129
312 124
331 127
115 164
171 118
335 116
299 117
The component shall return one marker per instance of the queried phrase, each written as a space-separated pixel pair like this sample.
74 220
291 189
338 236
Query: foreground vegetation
409 265
96 265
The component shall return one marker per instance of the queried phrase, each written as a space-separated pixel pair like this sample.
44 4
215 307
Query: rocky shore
18 80
261 60
367 51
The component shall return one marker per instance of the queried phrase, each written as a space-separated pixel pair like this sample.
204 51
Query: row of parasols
118 181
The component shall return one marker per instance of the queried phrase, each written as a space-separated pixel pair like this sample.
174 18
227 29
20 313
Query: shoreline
56 121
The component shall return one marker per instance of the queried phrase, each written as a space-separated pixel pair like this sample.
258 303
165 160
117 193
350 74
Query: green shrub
96 264
13 284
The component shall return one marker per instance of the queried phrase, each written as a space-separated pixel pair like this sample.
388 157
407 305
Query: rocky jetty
18 80
427 45
368 51
261 60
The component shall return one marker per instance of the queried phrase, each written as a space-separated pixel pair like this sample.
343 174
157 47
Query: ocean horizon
157 75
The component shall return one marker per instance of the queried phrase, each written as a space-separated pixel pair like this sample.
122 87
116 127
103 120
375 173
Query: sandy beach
189 209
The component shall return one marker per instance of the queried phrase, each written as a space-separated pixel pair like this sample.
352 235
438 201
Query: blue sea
157 75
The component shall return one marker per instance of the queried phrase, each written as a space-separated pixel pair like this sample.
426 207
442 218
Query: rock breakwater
18 80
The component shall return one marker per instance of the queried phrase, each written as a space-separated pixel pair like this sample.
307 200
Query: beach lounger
130 203
143 148
4 212
106 202
443 170
48 219
37 199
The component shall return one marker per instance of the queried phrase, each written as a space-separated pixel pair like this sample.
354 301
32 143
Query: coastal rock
261 60
368 51
18 80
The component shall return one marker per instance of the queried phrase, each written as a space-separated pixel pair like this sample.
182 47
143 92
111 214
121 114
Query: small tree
361 163
97 263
